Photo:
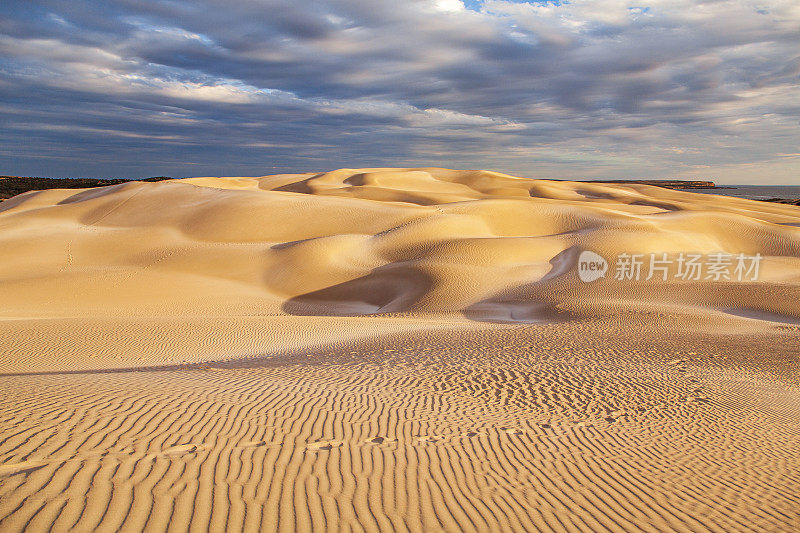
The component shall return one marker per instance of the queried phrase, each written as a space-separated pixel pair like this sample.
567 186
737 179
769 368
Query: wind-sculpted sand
393 349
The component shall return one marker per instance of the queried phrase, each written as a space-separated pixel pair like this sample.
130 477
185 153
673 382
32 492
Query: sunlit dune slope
364 241
393 349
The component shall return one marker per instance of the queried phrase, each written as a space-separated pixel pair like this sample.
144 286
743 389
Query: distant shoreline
11 186
667 184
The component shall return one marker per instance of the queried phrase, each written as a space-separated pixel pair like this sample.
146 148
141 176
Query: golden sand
382 349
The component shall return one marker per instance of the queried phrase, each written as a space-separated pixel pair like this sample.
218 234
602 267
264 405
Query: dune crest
370 241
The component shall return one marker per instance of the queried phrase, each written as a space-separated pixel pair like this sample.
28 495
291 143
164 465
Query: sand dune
357 242
377 349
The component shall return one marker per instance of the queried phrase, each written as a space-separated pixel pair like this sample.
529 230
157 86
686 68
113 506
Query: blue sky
580 89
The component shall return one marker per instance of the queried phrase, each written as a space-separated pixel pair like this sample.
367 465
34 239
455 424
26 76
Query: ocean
754 192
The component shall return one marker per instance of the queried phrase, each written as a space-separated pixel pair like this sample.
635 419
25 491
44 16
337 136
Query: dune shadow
392 288
595 195
759 314
398 287
657 205
517 312
301 186
10 203
91 194
506 308
356 180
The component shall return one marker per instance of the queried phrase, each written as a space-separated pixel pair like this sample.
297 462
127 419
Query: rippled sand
393 349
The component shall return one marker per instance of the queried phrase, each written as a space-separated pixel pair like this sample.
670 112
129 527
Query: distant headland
667 184
13 185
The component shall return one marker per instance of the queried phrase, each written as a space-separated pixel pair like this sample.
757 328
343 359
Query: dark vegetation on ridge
668 184
14 185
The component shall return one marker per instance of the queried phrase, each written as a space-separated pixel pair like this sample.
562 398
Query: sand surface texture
394 349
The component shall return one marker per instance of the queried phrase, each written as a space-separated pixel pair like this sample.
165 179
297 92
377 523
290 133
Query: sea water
754 192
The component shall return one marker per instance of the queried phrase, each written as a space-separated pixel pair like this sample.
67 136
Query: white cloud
576 88
448 6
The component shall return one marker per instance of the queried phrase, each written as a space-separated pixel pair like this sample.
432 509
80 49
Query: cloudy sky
579 89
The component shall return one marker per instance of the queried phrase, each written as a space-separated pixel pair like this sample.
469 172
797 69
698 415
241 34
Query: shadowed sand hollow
380 349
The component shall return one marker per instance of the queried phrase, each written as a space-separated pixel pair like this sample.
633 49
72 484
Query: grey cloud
129 87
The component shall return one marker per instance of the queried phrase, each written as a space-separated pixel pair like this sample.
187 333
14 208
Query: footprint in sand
253 444
378 441
511 431
614 414
23 467
182 449
26 467
426 439
323 445
697 399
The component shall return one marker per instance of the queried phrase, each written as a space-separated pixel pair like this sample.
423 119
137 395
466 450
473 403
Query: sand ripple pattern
515 429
